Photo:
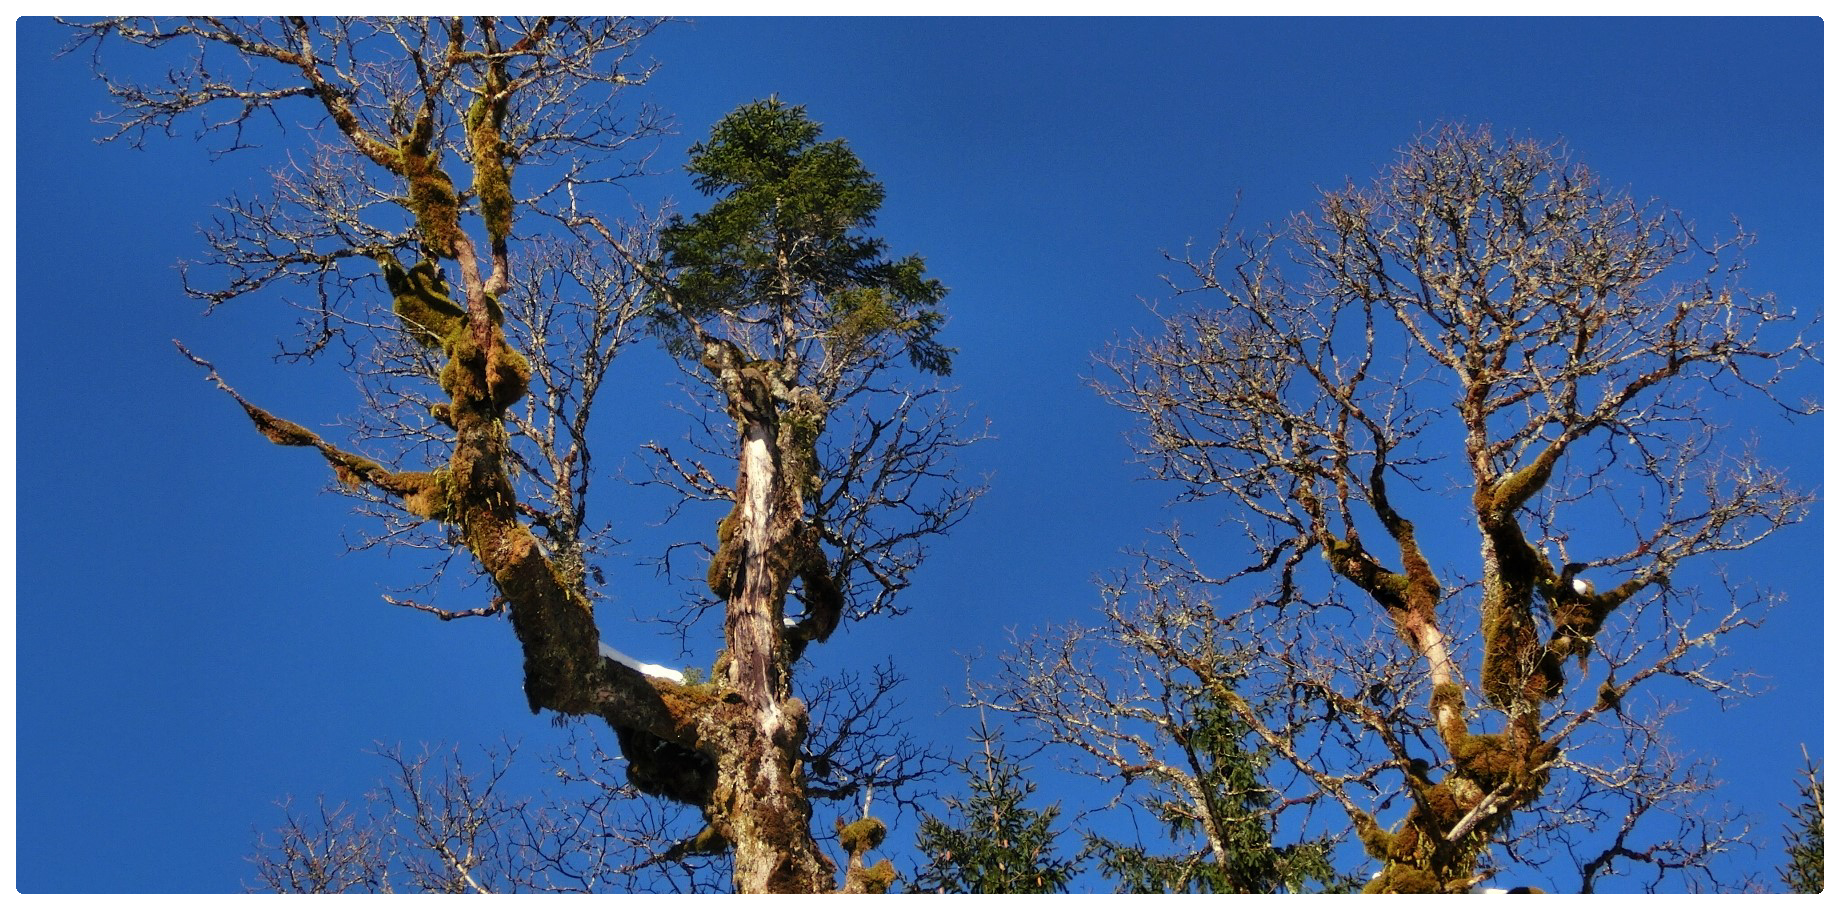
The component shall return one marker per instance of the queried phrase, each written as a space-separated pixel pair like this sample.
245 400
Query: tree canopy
1458 414
475 143
1462 425
782 245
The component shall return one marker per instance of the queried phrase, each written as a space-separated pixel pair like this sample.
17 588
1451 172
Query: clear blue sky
194 643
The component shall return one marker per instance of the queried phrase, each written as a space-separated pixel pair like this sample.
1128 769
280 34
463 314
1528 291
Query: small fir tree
1231 821
1806 868
1003 846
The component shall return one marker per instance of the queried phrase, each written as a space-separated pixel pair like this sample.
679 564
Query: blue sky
194 643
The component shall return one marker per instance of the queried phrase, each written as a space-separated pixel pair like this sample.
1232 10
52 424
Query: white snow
650 669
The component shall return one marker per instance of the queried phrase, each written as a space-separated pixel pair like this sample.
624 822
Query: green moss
432 198
457 376
1404 879
1377 841
1392 585
422 301
877 878
862 835
1339 552
1486 759
1405 843
723 565
352 471
507 376
427 495
1512 670
492 183
800 460
279 431
1456 796
491 178
1448 694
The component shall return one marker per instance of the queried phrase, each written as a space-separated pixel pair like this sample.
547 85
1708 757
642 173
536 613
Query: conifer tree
1235 803
796 319
1003 846
1806 868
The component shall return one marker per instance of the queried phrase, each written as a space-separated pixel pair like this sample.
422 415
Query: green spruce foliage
782 248
1002 846
1806 868
1234 810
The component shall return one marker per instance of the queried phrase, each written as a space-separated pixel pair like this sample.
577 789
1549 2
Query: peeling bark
761 805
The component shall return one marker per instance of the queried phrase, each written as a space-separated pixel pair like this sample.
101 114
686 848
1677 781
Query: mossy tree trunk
431 121
760 804
480 373
442 145
789 310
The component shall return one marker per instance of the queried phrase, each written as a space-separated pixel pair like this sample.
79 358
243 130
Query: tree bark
760 803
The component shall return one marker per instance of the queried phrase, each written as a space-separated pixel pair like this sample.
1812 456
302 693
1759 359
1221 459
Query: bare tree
438 824
1473 452
1145 701
484 144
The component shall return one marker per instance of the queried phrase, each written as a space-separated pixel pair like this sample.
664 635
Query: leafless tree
438 825
1464 419
487 144
1144 702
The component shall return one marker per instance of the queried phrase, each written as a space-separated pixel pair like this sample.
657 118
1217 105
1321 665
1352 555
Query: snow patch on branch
650 669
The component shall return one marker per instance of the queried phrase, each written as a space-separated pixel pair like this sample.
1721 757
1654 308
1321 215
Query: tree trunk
760 803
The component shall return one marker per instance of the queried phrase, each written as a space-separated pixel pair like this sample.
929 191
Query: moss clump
876 878
279 431
799 429
422 301
1512 666
507 376
1448 695
1405 844
862 835
1377 841
464 361
1404 879
1486 759
426 495
432 198
1449 800
724 565
491 179
352 470
485 136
